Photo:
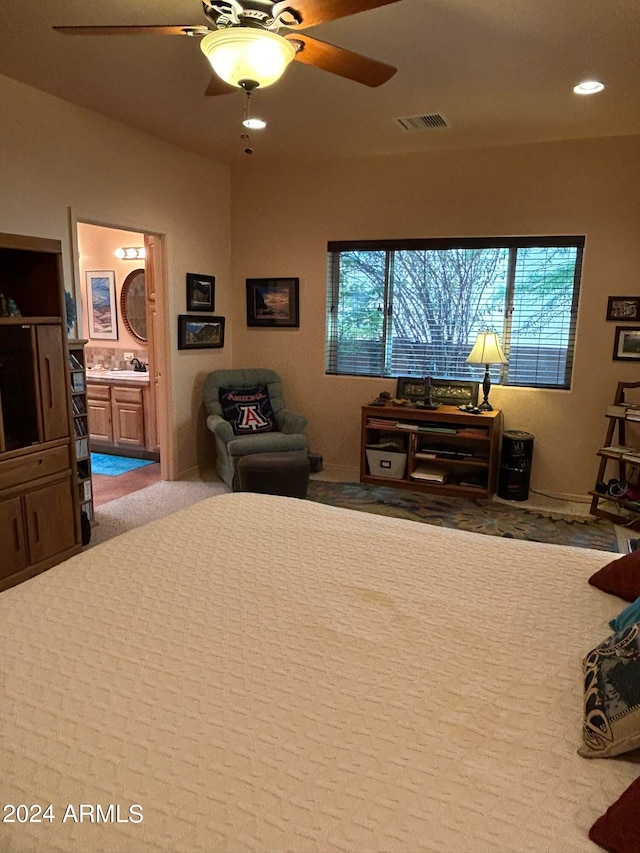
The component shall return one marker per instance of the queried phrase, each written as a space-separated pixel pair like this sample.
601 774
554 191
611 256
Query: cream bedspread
266 674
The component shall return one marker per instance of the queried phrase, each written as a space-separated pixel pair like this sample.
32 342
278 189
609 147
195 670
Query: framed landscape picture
627 344
273 302
101 304
623 308
454 392
200 332
449 392
200 292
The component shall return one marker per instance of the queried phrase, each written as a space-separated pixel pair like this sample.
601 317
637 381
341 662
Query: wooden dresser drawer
23 469
98 392
126 395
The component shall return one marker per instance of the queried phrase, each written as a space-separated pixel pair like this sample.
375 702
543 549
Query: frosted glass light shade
487 350
240 54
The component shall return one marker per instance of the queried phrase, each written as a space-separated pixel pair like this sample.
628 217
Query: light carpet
156 501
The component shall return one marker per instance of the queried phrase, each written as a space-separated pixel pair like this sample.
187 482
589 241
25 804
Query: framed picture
449 392
101 304
454 392
627 343
411 388
200 292
200 332
623 308
273 302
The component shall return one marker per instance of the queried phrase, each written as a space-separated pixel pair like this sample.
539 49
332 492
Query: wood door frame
160 340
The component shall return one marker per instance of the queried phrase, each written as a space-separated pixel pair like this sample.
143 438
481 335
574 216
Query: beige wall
587 187
56 158
96 247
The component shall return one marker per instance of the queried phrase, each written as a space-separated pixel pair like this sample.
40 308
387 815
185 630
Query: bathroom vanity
121 417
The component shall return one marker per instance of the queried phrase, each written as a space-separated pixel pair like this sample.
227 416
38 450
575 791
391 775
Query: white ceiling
498 72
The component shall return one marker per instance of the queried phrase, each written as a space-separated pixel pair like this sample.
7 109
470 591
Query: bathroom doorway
120 296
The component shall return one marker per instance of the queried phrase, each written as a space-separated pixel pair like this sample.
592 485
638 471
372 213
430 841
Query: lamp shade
247 55
487 350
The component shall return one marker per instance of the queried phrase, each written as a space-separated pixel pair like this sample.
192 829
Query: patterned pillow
618 830
612 696
620 577
248 410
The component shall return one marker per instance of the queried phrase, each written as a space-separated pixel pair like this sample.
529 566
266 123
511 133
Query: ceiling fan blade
315 12
342 62
186 30
219 87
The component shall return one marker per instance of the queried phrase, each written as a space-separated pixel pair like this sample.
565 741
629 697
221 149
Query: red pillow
620 577
618 830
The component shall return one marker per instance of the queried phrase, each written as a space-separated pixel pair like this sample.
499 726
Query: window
414 307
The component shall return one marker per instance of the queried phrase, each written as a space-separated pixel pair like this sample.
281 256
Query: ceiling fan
244 45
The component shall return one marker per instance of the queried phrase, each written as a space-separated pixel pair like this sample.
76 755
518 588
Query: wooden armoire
39 507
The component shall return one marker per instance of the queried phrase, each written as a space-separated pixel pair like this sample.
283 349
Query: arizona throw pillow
248 410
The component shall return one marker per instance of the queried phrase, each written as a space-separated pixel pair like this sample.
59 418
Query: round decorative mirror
133 306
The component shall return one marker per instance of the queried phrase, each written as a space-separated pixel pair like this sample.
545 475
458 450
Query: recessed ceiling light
254 123
588 87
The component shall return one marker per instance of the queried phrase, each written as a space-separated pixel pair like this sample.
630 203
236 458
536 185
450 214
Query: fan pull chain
246 118
250 122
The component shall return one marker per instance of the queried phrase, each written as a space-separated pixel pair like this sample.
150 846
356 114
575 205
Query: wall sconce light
486 350
131 254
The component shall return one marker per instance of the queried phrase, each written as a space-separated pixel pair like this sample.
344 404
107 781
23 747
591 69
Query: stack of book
427 428
628 411
430 473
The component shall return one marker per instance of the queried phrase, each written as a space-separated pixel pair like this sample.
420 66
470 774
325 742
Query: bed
257 673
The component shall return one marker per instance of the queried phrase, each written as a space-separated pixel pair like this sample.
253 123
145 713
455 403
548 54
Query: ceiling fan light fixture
247 55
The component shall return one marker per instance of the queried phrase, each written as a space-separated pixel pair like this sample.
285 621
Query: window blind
402 308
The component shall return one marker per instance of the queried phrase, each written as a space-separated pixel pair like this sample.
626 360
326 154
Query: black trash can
515 465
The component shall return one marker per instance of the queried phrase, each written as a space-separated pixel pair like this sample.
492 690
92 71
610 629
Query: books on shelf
430 473
416 427
82 447
79 407
628 411
77 382
474 432
617 449
380 423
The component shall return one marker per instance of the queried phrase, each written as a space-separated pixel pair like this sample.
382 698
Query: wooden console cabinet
39 512
120 417
443 451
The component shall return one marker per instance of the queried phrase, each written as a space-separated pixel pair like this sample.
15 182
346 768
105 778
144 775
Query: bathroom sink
126 374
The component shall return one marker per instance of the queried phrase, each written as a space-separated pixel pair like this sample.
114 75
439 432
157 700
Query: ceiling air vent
412 123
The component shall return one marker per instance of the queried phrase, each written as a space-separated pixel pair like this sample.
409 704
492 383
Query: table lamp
486 350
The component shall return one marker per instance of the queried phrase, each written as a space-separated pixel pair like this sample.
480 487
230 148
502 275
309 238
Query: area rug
113 466
476 516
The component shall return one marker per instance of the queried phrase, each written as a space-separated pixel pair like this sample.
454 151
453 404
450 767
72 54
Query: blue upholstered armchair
289 426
